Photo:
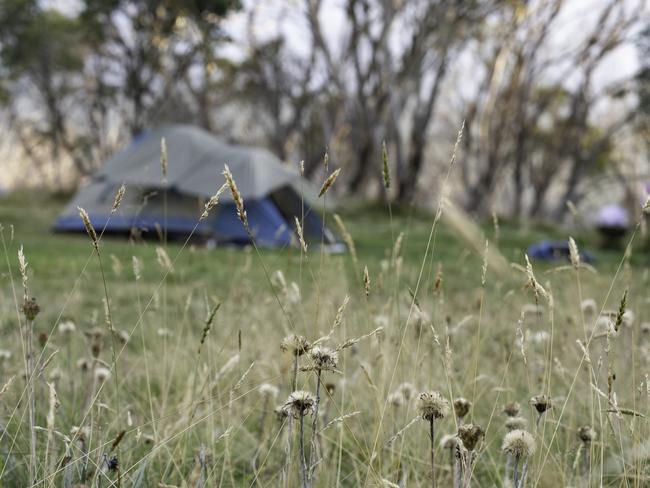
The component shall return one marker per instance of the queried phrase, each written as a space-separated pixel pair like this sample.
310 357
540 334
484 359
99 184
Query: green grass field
181 403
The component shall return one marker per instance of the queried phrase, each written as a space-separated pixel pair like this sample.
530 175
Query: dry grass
180 380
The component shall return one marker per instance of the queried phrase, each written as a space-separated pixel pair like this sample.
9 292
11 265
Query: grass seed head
329 182
90 230
432 405
236 196
519 443
118 198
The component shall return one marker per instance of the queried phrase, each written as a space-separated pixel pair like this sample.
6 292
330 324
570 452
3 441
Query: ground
188 392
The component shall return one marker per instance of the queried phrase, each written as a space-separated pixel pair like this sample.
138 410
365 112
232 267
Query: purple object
612 216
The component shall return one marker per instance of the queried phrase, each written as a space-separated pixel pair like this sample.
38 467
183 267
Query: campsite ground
185 391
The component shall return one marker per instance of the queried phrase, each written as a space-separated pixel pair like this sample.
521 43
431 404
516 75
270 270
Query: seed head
408 390
269 391
470 434
118 199
461 407
515 423
574 255
31 309
396 399
280 413
432 405
67 327
541 403
586 434
163 159
511 409
589 306
386 171
84 364
323 358
519 443
295 344
89 227
236 196
102 374
329 182
299 403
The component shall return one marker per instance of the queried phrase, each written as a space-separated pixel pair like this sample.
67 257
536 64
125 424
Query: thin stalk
515 472
32 402
433 454
313 455
303 461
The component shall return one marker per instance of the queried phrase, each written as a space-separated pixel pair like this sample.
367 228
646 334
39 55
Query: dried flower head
5 355
102 374
511 409
470 434
67 327
461 407
280 413
84 364
31 309
432 405
295 344
408 390
519 443
396 399
330 388
589 307
541 403
299 403
269 391
516 423
586 434
323 358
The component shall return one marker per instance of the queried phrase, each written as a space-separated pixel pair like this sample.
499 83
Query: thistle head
432 405
470 434
519 443
586 434
461 407
511 409
299 403
515 423
295 344
67 327
323 358
268 391
396 399
542 403
31 309
408 390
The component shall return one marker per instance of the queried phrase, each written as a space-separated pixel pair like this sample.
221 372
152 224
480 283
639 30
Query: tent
273 194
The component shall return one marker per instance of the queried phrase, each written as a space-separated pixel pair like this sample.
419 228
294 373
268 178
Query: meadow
166 365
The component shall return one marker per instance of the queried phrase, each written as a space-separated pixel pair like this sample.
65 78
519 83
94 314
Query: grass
191 400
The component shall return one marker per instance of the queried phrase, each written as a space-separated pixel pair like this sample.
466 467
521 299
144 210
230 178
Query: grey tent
273 194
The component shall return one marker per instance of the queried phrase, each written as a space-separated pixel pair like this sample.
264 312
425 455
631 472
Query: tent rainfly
273 194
